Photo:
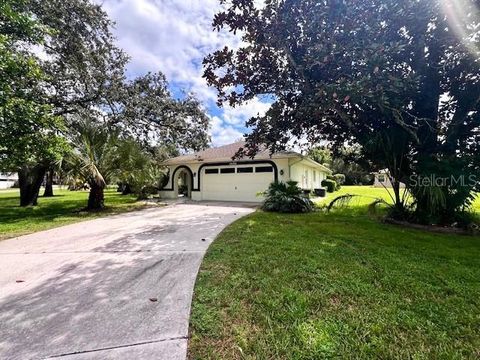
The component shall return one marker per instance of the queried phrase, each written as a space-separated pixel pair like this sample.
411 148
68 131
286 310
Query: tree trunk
29 181
396 191
48 184
96 199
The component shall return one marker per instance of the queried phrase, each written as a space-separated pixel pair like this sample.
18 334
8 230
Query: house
213 175
7 180
382 180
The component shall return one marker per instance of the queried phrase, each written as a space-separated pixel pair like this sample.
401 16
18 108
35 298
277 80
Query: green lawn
339 285
57 211
368 194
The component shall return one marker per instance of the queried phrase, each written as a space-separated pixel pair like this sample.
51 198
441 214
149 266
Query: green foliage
339 178
347 160
28 128
286 198
330 185
101 156
341 201
59 65
94 155
321 155
137 168
147 108
397 78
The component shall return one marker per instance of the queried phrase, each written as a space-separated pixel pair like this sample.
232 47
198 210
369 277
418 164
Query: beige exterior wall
245 187
306 175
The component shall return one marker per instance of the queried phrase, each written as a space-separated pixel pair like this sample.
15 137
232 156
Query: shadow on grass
64 207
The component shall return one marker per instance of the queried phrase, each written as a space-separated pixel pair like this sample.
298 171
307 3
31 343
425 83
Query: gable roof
227 152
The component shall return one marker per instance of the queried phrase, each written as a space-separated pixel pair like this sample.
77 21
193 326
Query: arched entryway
183 182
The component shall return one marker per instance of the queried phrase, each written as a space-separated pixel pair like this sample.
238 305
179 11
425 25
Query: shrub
339 178
330 185
286 198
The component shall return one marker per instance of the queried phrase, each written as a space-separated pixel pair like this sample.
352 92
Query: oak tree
400 78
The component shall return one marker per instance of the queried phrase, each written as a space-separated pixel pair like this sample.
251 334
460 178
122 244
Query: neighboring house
382 179
213 175
7 180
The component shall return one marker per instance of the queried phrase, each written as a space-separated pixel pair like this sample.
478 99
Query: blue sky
173 36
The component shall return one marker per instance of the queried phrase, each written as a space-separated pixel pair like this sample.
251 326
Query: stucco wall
307 176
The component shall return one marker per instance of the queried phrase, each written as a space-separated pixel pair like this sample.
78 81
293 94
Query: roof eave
215 160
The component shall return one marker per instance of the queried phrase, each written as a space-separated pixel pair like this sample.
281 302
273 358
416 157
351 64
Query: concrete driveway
113 288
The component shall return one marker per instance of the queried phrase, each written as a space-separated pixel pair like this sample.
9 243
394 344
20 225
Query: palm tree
93 158
139 170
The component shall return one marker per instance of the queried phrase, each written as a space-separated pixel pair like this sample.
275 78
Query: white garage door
236 183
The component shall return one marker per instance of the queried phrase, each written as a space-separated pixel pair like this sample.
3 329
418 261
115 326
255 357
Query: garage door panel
236 186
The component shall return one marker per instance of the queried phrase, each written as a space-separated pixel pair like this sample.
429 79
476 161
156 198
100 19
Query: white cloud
173 36
223 134
238 115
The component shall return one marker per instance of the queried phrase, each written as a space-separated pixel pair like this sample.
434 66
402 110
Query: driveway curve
113 288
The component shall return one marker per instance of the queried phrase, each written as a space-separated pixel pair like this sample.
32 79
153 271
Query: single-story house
7 180
213 175
382 180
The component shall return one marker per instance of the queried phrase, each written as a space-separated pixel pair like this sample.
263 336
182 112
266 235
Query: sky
173 36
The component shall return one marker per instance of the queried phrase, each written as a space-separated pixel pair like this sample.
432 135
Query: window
211 171
381 178
245 170
227 171
264 169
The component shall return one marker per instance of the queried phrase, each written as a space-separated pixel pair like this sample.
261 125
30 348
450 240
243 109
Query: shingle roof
226 152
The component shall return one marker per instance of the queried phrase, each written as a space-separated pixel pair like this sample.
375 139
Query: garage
236 182
219 174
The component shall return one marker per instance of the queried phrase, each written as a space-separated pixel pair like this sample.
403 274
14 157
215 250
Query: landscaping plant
397 78
286 198
330 185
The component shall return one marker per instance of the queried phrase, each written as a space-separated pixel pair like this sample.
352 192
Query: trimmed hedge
330 185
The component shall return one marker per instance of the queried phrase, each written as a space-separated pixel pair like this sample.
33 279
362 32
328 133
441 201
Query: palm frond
341 201
372 207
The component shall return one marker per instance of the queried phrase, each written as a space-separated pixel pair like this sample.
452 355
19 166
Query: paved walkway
112 288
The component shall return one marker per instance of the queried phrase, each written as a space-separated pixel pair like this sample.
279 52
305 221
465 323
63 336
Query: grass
339 285
367 194
60 210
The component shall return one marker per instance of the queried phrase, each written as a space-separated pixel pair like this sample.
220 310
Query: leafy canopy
28 129
399 78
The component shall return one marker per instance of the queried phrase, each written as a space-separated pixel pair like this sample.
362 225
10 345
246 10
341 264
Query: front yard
338 285
62 209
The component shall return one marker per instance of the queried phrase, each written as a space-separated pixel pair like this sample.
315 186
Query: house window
381 178
264 169
211 171
245 170
227 171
